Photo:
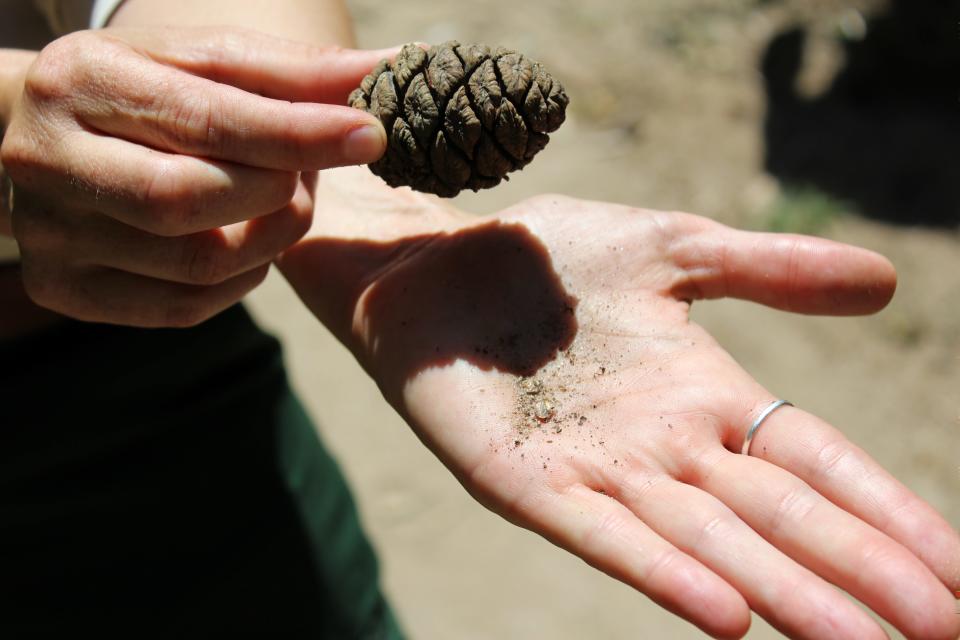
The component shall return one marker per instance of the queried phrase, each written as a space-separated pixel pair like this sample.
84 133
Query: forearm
322 22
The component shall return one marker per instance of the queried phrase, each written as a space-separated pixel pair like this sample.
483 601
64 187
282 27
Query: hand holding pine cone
459 116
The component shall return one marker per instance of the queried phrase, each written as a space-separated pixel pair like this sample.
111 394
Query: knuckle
876 557
791 510
899 506
167 200
830 458
204 260
717 527
277 191
188 120
64 65
608 526
692 456
50 78
637 487
662 563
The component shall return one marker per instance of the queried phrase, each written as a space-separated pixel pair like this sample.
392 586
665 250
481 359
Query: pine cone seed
459 116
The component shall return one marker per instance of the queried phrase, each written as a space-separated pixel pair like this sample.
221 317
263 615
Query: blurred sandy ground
667 110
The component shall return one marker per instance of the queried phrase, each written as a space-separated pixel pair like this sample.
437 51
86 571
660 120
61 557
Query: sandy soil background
667 112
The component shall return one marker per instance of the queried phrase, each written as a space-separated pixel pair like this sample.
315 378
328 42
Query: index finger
261 63
169 109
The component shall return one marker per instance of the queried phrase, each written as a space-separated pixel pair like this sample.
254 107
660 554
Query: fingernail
365 144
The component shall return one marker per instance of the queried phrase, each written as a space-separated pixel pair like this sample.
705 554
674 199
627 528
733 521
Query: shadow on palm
486 295
538 343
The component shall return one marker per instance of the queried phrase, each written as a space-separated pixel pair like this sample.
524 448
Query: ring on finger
752 431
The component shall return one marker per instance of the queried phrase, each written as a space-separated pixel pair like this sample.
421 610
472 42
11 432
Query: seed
531 386
544 410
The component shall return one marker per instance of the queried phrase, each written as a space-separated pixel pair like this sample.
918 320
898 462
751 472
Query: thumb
260 63
790 272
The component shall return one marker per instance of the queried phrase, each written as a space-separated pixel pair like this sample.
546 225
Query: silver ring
773 406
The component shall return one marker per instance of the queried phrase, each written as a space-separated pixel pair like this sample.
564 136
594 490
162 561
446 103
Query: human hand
545 354
157 171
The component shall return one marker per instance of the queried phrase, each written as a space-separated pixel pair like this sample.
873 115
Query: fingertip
888 280
871 287
885 276
366 143
727 616
727 619
709 602
938 619
832 278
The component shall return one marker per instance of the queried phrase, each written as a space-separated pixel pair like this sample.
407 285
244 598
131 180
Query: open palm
546 356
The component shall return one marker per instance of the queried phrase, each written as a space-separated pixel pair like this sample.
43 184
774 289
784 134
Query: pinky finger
118 297
609 537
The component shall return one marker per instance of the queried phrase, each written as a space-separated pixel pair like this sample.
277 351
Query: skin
161 221
158 170
651 488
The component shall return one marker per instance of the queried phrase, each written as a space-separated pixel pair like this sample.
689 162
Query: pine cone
458 116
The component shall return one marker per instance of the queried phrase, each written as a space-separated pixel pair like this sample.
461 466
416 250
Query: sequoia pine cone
459 116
